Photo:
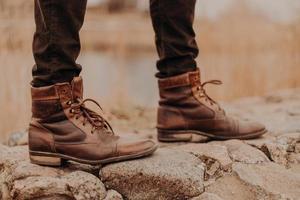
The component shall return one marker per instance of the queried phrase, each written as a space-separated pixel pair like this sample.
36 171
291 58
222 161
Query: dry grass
252 55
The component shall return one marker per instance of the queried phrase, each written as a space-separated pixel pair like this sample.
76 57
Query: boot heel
180 136
46 160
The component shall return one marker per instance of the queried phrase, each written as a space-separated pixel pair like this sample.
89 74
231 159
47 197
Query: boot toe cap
251 128
131 146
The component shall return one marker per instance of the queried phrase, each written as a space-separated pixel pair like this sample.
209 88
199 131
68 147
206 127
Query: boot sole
56 160
198 136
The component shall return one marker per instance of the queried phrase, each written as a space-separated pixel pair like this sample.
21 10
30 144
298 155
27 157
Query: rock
207 196
230 187
85 186
214 151
18 138
22 180
278 148
289 141
167 174
259 142
294 168
281 116
242 152
269 179
294 158
34 187
113 195
276 152
214 156
297 148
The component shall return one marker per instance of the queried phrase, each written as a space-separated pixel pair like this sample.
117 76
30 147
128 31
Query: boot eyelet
71 111
69 102
83 124
76 117
64 90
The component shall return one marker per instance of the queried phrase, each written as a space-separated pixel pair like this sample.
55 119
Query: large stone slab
276 152
230 187
167 174
242 152
214 151
20 180
270 180
279 149
259 142
214 156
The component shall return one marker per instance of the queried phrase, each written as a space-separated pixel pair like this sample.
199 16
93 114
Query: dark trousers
56 43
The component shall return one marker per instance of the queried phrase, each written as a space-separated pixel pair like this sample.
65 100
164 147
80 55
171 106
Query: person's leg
56 43
62 127
174 36
186 112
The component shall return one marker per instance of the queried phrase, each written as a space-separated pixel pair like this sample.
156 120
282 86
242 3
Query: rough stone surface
294 158
241 152
214 151
266 168
259 142
215 157
207 196
168 174
280 116
270 179
230 187
18 138
276 152
113 195
282 149
19 179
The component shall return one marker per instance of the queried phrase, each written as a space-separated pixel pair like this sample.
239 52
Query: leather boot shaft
180 101
185 109
63 128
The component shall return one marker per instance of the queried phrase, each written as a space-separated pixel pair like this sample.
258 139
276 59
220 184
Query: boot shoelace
98 122
203 93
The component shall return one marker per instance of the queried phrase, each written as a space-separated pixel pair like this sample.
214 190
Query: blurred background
253 46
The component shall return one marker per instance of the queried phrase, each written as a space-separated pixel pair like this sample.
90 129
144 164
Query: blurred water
118 80
283 11
129 79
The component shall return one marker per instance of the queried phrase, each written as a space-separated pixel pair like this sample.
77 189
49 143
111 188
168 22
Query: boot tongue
77 87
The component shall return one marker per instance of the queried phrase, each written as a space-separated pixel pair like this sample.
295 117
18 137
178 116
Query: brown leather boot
187 113
63 128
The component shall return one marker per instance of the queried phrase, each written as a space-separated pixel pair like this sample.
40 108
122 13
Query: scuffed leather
55 129
183 107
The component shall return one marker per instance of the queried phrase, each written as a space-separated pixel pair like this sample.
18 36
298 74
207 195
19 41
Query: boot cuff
186 79
55 91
